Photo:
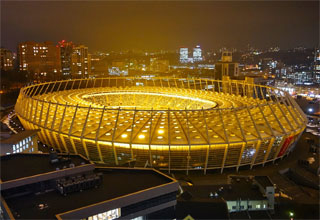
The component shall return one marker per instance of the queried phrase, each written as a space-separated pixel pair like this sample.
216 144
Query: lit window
258 206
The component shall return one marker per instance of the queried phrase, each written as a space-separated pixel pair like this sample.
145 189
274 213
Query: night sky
105 25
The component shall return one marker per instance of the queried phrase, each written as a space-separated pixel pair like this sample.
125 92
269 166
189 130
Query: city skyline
143 25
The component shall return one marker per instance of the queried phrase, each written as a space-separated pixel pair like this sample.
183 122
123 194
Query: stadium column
113 136
150 137
227 140
208 140
97 135
131 133
274 116
259 136
29 91
267 123
175 82
37 87
268 150
261 92
194 84
281 110
182 84
45 92
87 82
47 128
60 127
288 109
244 139
59 86
169 140
72 84
80 83
189 143
200 83
66 85
54 116
72 121
83 130
42 86
54 84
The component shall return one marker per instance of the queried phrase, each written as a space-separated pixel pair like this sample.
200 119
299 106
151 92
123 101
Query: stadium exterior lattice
167 123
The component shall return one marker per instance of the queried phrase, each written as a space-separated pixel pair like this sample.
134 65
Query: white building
197 54
184 55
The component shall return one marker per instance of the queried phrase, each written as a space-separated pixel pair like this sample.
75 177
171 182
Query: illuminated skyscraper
81 62
197 54
6 59
183 55
66 49
40 59
316 65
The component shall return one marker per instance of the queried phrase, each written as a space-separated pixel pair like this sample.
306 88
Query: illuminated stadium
166 123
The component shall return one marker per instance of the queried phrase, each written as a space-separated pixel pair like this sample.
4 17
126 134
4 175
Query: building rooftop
240 188
19 136
264 181
116 183
22 165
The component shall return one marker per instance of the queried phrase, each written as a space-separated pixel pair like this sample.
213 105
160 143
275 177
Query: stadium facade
167 123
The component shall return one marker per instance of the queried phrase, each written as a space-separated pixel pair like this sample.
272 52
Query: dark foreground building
43 186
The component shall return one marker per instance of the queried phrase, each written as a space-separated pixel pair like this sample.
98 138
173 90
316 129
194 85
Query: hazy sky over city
107 25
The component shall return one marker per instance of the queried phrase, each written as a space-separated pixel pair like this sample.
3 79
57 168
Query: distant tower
226 56
183 55
6 59
316 65
225 67
66 49
81 62
197 54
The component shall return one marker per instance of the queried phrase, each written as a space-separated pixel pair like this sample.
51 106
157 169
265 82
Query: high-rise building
316 65
225 67
81 62
66 49
197 54
6 59
183 55
42 60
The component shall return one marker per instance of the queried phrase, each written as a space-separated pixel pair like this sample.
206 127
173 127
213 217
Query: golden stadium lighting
190 123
